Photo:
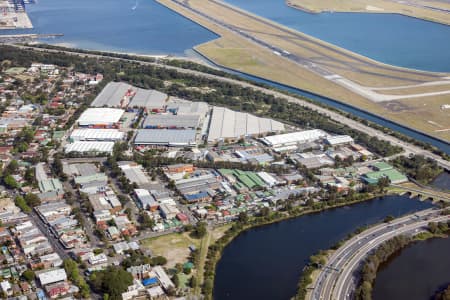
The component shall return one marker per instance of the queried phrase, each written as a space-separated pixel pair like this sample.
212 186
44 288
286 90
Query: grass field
416 10
236 52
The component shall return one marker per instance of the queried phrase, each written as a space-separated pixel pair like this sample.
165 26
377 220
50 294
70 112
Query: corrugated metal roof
97 134
148 98
165 137
101 115
90 147
111 95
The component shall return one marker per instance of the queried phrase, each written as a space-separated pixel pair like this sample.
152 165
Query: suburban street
337 278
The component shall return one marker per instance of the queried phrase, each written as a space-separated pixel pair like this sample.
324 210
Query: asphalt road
337 278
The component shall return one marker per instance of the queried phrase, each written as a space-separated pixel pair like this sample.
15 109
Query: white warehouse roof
101 115
294 138
90 147
52 276
96 135
166 137
226 123
148 98
111 95
339 139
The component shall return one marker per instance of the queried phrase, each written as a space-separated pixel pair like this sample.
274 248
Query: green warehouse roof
382 166
393 175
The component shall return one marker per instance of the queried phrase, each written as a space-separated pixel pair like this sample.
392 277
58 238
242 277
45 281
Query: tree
28 275
32 200
20 202
199 230
112 281
10 182
243 217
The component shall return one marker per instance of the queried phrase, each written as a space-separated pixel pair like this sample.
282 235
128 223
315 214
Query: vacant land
436 11
319 67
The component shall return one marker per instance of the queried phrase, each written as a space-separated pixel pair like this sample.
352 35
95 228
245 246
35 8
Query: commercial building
232 125
150 100
90 147
163 278
289 141
146 200
170 121
52 276
100 117
165 138
85 134
49 185
339 140
168 211
183 107
134 173
114 94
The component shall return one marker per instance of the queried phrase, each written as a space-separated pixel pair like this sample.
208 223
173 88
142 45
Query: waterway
388 38
136 26
416 273
266 262
442 181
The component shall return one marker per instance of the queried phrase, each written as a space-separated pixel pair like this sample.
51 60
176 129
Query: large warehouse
289 141
184 107
100 117
232 125
90 147
88 134
171 121
165 138
114 94
151 100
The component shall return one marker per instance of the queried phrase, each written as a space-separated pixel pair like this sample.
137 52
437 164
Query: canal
266 262
415 273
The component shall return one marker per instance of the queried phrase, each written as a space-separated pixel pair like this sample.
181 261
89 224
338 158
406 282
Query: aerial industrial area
87 188
126 176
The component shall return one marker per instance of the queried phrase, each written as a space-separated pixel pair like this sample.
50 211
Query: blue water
266 262
392 39
141 26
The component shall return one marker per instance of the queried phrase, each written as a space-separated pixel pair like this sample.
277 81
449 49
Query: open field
174 247
436 11
247 44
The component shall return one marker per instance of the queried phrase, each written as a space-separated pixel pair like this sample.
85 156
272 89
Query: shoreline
372 108
381 12
215 257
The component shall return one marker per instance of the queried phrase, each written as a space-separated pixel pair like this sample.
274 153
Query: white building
339 140
289 141
86 134
100 117
90 147
52 276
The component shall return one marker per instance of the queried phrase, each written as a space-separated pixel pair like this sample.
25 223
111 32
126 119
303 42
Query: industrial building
114 94
183 107
52 276
232 125
90 147
289 141
171 121
103 117
134 173
165 138
150 100
84 134
339 140
146 200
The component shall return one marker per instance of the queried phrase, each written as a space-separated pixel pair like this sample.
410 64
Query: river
415 273
266 262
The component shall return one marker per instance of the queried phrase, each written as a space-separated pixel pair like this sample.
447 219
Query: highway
337 278
335 116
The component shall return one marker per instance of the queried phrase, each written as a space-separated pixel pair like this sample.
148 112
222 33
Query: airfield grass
233 51
375 6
